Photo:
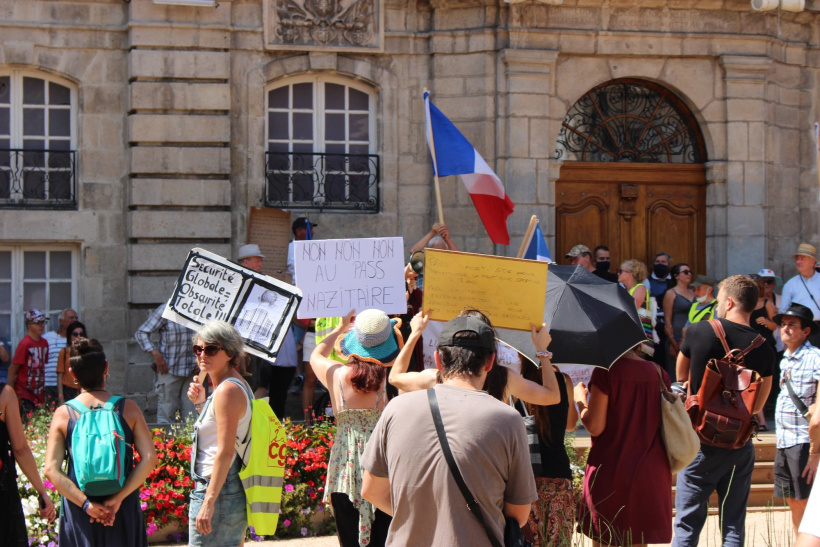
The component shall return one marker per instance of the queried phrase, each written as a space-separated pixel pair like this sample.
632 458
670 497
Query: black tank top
554 458
764 331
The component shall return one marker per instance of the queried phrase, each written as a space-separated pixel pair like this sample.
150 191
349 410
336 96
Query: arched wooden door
633 177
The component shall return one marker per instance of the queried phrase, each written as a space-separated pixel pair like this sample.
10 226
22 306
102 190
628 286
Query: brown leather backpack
722 412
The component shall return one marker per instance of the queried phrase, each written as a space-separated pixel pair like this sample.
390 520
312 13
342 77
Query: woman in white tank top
218 496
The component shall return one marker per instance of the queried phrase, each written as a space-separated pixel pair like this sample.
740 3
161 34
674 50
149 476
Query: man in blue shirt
795 466
804 288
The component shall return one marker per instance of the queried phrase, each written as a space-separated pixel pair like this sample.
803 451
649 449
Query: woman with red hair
357 393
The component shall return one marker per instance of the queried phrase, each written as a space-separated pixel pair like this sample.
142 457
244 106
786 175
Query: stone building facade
178 115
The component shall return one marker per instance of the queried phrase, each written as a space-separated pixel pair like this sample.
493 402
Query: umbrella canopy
592 321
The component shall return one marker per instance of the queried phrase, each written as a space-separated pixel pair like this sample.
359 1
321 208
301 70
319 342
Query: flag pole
433 155
527 236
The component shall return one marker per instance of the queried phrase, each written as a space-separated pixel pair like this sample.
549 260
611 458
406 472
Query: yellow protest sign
511 290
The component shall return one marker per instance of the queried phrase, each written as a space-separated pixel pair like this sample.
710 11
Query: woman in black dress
14 448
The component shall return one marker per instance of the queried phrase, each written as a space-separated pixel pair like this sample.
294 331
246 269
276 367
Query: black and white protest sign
212 287
339 275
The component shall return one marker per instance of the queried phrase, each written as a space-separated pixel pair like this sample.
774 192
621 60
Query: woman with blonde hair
357 394
632 273
217 512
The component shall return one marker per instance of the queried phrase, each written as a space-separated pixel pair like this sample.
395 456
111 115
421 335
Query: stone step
762 474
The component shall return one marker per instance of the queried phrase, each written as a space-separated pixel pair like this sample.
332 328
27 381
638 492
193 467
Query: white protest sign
339 275
577 373
212 287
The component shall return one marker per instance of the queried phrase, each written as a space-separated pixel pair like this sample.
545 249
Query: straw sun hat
375 338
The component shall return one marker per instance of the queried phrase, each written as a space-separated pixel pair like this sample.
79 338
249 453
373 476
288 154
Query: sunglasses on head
209 350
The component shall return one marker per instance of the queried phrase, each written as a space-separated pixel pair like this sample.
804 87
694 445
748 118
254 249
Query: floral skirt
552 517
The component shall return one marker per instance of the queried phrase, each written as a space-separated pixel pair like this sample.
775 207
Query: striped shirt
175 342
55 344
803 367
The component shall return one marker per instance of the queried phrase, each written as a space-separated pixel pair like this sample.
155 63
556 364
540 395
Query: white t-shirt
55 344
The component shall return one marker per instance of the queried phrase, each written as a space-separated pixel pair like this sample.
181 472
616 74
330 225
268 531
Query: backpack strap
721 334
78 407
111 402
242 446
755 343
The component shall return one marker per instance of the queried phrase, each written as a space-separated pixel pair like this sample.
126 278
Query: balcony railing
319 181
38 179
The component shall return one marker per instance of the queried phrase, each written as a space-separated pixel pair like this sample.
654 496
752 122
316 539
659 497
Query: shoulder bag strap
472 504
720 333
799 404
813 301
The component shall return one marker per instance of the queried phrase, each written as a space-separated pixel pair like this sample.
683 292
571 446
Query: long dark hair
542 418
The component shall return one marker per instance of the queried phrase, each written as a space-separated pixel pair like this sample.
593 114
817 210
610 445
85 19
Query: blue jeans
727 471
230 518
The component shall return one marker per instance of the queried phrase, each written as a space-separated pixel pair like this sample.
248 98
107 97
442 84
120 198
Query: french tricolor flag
454 155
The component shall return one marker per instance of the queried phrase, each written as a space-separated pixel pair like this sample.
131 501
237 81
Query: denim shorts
230 519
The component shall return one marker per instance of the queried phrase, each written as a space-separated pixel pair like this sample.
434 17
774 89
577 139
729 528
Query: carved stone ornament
330 25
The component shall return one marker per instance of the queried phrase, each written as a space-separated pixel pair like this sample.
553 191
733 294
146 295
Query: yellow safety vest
264 471
706 313
324 326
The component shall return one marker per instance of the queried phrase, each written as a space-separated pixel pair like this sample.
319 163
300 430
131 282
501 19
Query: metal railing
38 179
320 180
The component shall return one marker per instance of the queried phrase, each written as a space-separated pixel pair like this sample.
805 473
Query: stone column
746 120
525 143
716 229
179 131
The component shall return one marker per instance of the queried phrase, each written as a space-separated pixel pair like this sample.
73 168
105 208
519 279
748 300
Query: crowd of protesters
468 469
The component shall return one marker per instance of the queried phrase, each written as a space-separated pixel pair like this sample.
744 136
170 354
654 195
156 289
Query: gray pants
172 397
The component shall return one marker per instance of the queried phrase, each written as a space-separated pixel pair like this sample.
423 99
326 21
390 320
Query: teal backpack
98 448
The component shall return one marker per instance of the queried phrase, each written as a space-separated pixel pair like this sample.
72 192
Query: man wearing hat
250 256
406 473
581 256
804 288
703 308
794 465
27 373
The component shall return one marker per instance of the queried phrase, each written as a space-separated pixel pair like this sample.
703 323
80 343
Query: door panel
585 219
636 210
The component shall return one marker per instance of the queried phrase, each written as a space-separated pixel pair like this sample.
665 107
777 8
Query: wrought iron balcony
319 181
38 179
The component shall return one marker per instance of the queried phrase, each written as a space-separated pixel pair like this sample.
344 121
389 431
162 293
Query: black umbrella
592 321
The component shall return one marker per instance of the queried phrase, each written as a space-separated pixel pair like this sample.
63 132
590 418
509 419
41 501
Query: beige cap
808 250
578 249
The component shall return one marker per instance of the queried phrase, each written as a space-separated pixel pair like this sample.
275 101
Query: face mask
660 270
702 299
604 265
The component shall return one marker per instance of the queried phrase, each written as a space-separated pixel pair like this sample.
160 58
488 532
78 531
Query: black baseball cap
301 222
485 340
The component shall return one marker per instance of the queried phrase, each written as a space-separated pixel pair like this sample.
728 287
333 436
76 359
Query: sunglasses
623 271
686 272
209 350
768 281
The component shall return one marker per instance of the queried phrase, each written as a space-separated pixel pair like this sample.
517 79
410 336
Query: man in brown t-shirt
406 474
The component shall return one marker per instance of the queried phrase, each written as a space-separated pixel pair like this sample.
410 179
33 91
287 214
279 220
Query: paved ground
763 529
